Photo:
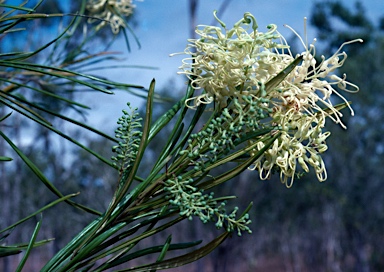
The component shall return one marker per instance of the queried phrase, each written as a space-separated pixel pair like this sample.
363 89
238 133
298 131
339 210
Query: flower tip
175 54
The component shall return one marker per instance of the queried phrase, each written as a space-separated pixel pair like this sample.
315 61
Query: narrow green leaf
137 238
168 116
2 158
155 217
238 169
274 82
164 250
41 176
53 203
4 252
16 7
239 153
246 210
127 178
86 251
62 135
10 54
5 117
145 252
91 60
165 152
30 246
9 26
67 119
17 248
108 67
164 119
43 90
31 16
65 253
337 107
32 113
183 259
47 44
196 117
58 73
252 135
143 143
126 39
7 251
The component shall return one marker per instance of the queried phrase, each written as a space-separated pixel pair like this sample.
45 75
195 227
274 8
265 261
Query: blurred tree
355 163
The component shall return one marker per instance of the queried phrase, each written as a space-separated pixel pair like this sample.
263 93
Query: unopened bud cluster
129 137
224 132
194 202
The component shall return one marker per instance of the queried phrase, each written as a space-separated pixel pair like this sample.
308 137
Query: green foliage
42 91
195 159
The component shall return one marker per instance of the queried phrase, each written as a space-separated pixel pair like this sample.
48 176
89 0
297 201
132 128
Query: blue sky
163 29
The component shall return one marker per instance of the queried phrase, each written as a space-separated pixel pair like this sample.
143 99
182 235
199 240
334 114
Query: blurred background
337 225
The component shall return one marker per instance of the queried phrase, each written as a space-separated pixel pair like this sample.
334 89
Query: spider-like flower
112 11
310 86
231 64
301 103
228 65
301 142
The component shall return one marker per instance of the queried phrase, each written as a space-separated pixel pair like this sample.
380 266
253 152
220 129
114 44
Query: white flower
310 86
226 65
231 63
112 11
301 143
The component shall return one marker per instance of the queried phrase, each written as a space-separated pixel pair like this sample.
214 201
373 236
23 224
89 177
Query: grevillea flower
230 64
301 142
225 65
112 11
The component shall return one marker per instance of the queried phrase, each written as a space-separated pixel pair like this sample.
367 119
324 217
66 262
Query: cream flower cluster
230 63
301 142
112 11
